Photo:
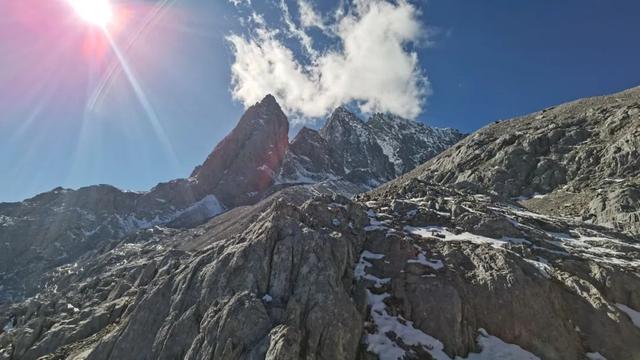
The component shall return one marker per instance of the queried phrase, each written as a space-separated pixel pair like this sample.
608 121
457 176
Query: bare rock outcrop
571 154
281 287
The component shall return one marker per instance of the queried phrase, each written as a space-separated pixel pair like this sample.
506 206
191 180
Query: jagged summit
242 164
368 152
269 100
343 112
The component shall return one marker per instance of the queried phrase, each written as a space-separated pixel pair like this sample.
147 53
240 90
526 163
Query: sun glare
96 12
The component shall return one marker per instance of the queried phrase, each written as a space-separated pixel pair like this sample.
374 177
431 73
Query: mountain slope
423 272
584 157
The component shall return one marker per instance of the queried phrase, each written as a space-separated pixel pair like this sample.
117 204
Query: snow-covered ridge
376 150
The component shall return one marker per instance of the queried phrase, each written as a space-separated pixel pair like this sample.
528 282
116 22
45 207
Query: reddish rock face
243 164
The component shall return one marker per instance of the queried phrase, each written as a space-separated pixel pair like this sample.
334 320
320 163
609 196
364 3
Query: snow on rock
633 314
360 273
444 234
210 203
422 260
594 356
534 196
208 206
403 333
374 224
542 265
8 326
267 298
494 348
387 349
595 247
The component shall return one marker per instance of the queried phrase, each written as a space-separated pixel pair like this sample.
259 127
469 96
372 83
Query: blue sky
484 60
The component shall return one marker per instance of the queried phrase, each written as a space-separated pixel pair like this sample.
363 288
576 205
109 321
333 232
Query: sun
96 12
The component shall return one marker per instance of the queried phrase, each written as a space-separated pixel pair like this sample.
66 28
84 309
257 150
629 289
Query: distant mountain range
384 239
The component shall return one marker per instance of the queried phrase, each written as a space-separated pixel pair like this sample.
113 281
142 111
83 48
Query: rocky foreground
458 259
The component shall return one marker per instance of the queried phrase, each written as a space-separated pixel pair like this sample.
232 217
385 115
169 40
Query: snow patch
542 265
594 356
374 224
494 348
209 205
8 327
445 235
422 260
594 247
633 314
387 349
534 196
359 273
6 221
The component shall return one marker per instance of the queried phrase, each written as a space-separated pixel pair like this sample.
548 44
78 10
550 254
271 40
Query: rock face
279 287
584 156
310 159
415 270
354 147
408 144
436 264
367 153
243 164
55 228
440 264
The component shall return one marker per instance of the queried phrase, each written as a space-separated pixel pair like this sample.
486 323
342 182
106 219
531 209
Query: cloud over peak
368 61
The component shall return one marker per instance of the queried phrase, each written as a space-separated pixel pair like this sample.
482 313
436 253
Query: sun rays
96 12
100 13
81 72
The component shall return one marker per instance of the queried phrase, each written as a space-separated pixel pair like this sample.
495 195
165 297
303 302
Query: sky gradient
71 114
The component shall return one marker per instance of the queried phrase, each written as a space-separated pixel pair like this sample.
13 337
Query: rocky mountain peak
366 153
243 163
342 112
306 133
341 118
389 119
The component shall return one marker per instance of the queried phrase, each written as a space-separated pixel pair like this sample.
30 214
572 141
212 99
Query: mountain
444 262
577 160
243 163
57 227
369 153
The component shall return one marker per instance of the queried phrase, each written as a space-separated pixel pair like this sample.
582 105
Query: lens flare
96 12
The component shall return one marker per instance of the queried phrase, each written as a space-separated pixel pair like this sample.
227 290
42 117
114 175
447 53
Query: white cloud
240 2
295 32
369 64
308 15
